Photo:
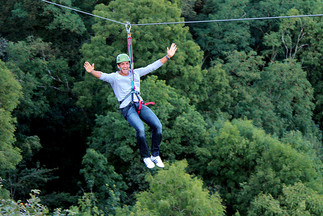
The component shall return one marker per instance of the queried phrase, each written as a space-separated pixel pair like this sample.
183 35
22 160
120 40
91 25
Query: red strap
141 102
149 103
139 108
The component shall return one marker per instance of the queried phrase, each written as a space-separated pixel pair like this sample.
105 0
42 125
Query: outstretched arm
170 53
90 69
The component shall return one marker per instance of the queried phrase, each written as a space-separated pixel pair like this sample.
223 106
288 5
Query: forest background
240 104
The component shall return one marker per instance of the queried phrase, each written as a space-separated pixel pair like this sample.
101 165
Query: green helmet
122 58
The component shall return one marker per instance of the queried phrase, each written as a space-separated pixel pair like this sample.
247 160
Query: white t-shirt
122 85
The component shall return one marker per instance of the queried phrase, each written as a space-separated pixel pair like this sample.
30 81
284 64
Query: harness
133 87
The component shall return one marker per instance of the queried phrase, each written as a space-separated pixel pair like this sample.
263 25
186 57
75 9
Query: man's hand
88 67
171 51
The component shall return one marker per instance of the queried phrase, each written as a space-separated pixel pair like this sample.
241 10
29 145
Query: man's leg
134 120
149 117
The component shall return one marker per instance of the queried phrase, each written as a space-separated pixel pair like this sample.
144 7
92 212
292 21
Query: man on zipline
126 87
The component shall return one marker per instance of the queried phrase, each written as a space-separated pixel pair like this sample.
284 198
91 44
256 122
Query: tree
248 100
188 9
229 157
280 165
295 38
174 192
31 207
277 97
60 26
271 8
289 40
291 94
10 93
34 62
242 161
103 181
47 117
217 38
219 93
296 199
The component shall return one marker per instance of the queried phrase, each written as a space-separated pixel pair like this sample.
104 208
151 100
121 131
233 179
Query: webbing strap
133 87
130 53
146 104
132 92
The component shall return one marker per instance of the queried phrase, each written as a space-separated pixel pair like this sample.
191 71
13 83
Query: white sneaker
157 160
149 163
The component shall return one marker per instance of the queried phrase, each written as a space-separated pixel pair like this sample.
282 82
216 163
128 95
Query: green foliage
66 21
231 156
294 37
3 46
86 207
39 72
188 9
217 92
174 192
217 38
302 144
311 56
46 118
244 71
61 26
277 97
265 205
243 161
268 71
103 181
10 93
296 199
300 200
281 165
21 180
4 194
291 95
30 146
272 8
31 207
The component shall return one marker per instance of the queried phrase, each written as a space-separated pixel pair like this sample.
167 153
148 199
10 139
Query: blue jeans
136 121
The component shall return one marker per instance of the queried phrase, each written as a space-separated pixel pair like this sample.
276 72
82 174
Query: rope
184 22
82 12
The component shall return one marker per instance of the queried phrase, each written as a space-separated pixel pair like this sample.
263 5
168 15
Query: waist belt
134 92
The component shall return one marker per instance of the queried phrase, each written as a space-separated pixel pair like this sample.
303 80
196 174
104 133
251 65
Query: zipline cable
227 20
186 22
82 12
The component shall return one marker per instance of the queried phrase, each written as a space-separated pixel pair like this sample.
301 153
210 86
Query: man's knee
158 128
141 132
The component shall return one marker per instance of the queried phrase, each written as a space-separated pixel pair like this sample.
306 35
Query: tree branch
286 48
299 38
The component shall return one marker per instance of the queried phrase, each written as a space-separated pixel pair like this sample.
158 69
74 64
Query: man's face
124 67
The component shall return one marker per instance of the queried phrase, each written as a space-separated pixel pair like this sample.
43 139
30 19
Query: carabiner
128 27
